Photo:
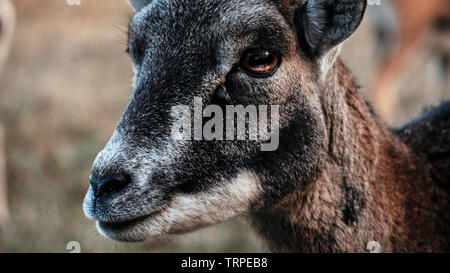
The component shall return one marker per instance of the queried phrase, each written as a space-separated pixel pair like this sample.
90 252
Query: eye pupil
262 59
260 62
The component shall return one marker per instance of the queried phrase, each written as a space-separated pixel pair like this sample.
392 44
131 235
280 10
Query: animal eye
260 63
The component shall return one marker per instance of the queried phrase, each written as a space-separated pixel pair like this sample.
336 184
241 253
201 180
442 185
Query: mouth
122 225
123 230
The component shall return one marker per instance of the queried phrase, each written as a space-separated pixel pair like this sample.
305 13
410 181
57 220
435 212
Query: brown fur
372 187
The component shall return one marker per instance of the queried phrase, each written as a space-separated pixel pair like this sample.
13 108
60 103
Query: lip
128 230
119 230
123 225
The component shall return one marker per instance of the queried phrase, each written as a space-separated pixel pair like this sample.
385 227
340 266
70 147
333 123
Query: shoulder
429 137
429 130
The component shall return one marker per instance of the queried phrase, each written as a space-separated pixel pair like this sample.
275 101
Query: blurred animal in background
7 18
403 28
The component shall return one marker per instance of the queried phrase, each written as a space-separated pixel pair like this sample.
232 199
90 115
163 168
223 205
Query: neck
366 190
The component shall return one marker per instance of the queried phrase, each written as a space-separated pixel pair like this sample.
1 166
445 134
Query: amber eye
260 63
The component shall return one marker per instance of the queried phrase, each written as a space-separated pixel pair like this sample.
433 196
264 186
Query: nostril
104 186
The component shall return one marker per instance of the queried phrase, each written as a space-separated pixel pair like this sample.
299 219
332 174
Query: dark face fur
147 184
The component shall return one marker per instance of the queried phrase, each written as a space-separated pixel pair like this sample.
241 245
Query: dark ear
327 23
139 4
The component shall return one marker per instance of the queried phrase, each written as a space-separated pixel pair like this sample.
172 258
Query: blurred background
67 80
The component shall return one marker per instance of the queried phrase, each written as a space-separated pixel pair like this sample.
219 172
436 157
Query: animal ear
327 23
139 4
